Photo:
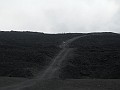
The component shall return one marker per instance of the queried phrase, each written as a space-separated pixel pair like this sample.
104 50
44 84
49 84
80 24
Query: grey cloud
60 15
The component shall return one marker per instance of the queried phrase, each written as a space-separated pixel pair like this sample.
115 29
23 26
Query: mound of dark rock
95 56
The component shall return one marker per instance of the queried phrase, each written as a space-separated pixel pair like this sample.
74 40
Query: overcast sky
55 16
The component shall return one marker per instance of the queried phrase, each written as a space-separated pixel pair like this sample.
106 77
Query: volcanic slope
55 65
49 72
96 56
93 53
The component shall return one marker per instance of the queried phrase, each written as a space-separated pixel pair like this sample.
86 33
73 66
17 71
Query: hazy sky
54 16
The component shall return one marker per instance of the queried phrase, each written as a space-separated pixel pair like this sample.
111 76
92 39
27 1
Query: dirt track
53 70
45 82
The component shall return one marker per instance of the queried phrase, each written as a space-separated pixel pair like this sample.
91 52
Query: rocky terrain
72 61
28 54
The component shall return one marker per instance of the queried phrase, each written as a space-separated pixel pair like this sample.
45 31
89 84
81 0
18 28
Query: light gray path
53 70
49 72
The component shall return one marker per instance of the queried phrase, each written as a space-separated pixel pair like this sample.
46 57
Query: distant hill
23 54
96 55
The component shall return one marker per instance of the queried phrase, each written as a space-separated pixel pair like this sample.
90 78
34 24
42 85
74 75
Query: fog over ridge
55 16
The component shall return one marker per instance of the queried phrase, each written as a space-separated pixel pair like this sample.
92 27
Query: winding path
50 72
53 70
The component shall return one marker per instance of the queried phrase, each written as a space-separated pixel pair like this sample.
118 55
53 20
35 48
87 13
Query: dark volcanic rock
96 56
